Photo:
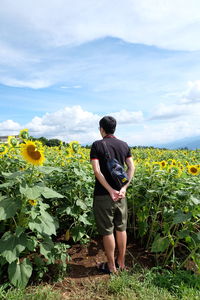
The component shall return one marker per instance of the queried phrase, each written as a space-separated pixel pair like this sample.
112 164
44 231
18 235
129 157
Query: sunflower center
193 170
36 155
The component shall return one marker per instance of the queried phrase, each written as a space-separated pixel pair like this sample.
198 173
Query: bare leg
121 239
109 246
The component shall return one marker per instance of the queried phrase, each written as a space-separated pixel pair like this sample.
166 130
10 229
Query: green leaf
31 192
7 184
183 233
13 175
11 246
44 224
33 213
20 272
49 193
84 220
32 244
160 244
19 230
77 233
151 191
48 170
180 217
68 210
6 174
81 204
36 191
195 200
8 207
46 247
2 261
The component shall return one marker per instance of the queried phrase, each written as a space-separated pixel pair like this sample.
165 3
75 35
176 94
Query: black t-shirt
118 149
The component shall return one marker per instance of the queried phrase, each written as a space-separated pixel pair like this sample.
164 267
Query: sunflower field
46 204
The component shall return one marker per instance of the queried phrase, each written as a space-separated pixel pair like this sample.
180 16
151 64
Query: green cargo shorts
109 214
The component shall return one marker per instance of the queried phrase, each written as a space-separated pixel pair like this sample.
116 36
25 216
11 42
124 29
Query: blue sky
65 64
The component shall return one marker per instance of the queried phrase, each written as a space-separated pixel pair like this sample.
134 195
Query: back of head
108 123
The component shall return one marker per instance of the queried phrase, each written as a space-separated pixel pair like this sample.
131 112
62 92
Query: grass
137 284
32 293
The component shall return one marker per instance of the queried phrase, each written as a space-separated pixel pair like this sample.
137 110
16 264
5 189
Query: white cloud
74 123
34 83
163 111
192 94
69 123
11 56
171 24
36 34
128 117
188 106
71 87
66 123
9 127
172 121
162 133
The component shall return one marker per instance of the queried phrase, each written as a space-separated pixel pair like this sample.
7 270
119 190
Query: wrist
110 190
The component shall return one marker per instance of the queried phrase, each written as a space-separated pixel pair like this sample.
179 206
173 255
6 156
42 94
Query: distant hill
191 143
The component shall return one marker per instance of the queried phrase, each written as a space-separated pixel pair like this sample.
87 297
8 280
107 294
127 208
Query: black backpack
115 168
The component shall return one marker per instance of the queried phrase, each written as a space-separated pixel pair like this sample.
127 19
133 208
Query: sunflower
181 166
32 154
163 163
32 202
174 163
24 134
3 150
12 141
74 145
155 163
194 170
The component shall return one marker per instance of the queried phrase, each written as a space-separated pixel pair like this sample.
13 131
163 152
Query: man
110 207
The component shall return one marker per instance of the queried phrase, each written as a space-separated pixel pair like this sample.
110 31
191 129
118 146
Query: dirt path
84 259
83 265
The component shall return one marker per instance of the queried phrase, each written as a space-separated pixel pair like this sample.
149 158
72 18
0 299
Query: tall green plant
28 228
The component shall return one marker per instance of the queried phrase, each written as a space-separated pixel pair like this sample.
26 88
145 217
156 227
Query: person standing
110 206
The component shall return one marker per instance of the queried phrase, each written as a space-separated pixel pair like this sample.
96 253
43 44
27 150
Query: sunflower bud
2 149
24 134
12 141
67 235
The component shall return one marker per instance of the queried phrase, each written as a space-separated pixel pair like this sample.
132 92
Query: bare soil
83 266
84 259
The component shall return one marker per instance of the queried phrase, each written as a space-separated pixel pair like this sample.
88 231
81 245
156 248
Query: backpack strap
107 153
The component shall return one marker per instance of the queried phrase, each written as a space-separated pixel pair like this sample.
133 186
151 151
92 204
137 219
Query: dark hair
108 123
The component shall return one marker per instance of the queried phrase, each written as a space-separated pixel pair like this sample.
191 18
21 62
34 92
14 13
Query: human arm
99 175
130 172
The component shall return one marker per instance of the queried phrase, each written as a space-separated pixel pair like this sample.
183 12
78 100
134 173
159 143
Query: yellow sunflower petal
193 170
32 154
